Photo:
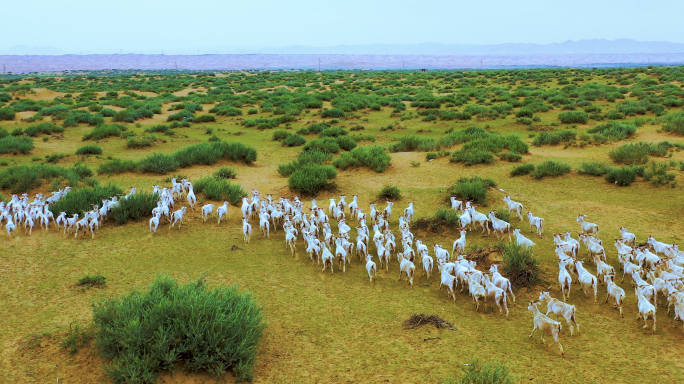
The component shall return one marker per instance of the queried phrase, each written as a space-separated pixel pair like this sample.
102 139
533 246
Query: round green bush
311 179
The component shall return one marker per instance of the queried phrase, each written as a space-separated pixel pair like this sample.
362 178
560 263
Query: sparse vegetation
390 192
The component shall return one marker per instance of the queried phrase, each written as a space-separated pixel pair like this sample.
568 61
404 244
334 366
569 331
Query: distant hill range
600 46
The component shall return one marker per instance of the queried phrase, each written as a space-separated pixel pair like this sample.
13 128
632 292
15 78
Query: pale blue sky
73 25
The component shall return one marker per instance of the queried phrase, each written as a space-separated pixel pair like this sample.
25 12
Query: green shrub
24 178
103 131
472 157
252 111
183 115
474 188
146 332
446 217
519 265
54 158
612 131
7 113
327 145
511 157
313 128
92 281
524 169
390 192
136 207
657 174
551 168
82 199
346 143
594 168
623 176
484 373
89 150
293 141
15 145
336 113
226 173
311 179
140 142
314 157
553 138
117 166
219 189
674 123
77 338
334 132
44 128
165 129
414 143
573 117
158 163
375 158
632 153
280 135
205 119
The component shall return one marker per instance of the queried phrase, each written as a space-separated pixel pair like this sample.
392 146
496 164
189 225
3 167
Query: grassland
340 328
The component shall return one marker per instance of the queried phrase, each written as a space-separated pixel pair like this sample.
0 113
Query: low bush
553 138
550 168
375 158
24 178
443 218
623 176
82 199
414 143
204 119
336 113
472 157
314 157
594 168
657 174
15 145
219 189
165 129
117 166
311 179
519 265
674 123
326 145
89 150
314 128
474 188
135 207
280 135
43 128
183 115
390 192
158 163
293 141
7 113
612 131
92 281
635 153
511 157
103 131
226 173
573 117
214 330
334 132
141 142
54 158
524 169
484 373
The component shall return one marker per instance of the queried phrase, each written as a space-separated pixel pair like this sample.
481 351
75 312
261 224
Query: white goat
586 226
501 281
206 211
560 308
514 207
615 291
586 279
545 325
522 240
536 222
646 309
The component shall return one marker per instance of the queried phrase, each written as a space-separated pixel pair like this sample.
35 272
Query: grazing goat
427 265
536 222
564 279
154 223
514 207
449 281
479 218
545 325
499 225
206 211
221 212
476 290
328 258
560 308
627 237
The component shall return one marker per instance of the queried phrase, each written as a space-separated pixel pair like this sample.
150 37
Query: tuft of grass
474 188
219 189
594 168
140 142
293 141
210 329
225 173
314 157
390 192
472 157
573 117
524 169
520 266
484 373
674 123
117 166
637 153
89 150
92 281
551 168
103 131
24 178
76 338
415 163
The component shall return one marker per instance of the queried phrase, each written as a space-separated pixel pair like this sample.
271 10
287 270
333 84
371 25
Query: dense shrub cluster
219 189
553 138
24 178
89 150
135 207
15 145
474 188
390 192
550 168
375 158
82 199
103 131
311 179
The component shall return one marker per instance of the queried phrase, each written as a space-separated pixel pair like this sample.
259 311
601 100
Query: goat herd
654 268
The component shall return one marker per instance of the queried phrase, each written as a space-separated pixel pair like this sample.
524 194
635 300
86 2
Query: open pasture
340 327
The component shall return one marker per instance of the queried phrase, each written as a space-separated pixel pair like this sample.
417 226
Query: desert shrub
612 131
280 135
165 129
414 143
183 115
314 157
226 111
54 158
327 145
484 373
107 112
632 153
524 169
436 155
511 157
89 150
140 142
236 151
135 207
252 111
158 163
550 168
117 166
92 281
15 145
336 113
474 188
219 189
334 132
503 214
103 131
472 157
657 174
204 119
313 128
346 143
674 123
573 117
24 178
375 158
7 113
43 128
446 217
311 179
225 173
82 199
497 143
293 141
594 168
390 192
76 338
519 265
553 138
623 176
210 329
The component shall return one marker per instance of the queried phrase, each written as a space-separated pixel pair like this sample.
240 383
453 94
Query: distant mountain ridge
598 46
